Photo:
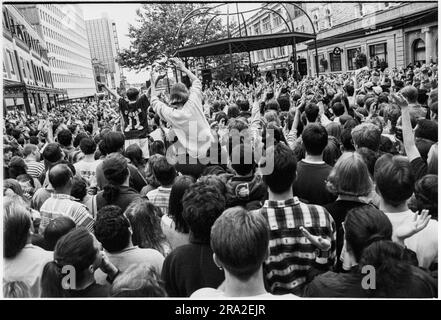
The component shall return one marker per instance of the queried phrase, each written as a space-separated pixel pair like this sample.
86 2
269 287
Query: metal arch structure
208 11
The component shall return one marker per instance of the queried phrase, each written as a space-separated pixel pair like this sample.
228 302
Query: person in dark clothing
191 267
368 234
312 172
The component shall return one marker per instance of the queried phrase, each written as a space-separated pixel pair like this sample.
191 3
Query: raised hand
178 63
411 227
399 99
319 242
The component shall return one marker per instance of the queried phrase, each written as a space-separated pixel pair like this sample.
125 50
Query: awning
15 86
244 44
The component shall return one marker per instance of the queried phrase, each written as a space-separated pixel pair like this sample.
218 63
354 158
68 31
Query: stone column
428 41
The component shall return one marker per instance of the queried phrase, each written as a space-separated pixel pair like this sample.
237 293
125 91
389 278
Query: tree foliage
156 33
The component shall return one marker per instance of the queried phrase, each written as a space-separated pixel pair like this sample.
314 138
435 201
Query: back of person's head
283 175
79 188
116 171
338 109
102 148
272 104
350 176
78 249
423 146
332 151
16 289
243 105
202 205
112 228
60 176
132 94
134 153
410 93
394 179
370 157
78 139
17 166
334 129
387 146
64 137
311 112
57 228
175 209
233 111
427 129
272 116
114 141
179 94
315 139
29 149
221 115
87 146
14 186
138 281
52 153
242 250
284 103
242 159
144 217
426 194
164 172
350 90
366 135
16 227
219 182
34 140
368 233
157 147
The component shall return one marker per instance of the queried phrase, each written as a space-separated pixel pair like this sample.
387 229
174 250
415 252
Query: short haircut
349 90
164 172
112 228
16 226
59 175
272 105
427 129
181 184
315 139
64 137
114 141
394 179
87 146
410 93
202 205
52 153
79 188
28 149
338 108
311 112
284 103
284 172
233 111
243 105
78 138
367 135
132 94
350 176
57 228
244 247
370 157
246 162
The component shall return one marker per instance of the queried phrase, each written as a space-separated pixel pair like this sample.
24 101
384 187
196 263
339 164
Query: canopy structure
244 44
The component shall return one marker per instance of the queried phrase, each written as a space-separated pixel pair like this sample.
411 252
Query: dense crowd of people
279 188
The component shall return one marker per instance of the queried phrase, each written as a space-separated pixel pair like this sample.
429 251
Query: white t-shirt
424 243
87 169
211 293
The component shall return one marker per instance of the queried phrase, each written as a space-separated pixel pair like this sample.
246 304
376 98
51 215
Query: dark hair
26 178
112 228
132 94
243 105
244 247
221 115
202 205
102 148
367 135
17 166
16 227
315 138
157 147
146 225
426 194
116 171
77 141
57 228
338 108
87 145
242 159
164 172
394 179
284 103
114 141
284 172
79 188
60 175
427 129
370 157
311 112
349 90
410 93
72 127
76 248
34 140
52 152
134 153
233 111
332 151
64 137
368 233
181 184
272 104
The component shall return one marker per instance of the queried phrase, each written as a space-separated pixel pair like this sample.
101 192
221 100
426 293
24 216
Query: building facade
103 45
27 77
392 34
63 28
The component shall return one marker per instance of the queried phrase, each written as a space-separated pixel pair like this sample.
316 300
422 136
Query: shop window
419 52
378 55
335 61
352 53
11 62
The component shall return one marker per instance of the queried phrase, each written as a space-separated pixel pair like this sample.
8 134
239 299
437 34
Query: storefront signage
337 51
378 30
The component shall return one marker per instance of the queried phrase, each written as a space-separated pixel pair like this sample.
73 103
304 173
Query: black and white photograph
220 151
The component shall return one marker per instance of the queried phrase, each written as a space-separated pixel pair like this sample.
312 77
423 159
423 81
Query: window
419 52
29 70
257 28
260 55
5 20
266 23
282 51
269 54
335 62
320 58
377 55
316 22
277 18
328 18
11 62
23 67
352 53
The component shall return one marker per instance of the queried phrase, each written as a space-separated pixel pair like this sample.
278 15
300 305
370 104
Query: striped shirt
291 254
35 169
160 197
64 205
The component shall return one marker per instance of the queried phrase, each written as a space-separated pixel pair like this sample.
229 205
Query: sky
125 14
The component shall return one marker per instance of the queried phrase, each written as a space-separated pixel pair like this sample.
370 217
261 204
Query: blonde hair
350 176
16 289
